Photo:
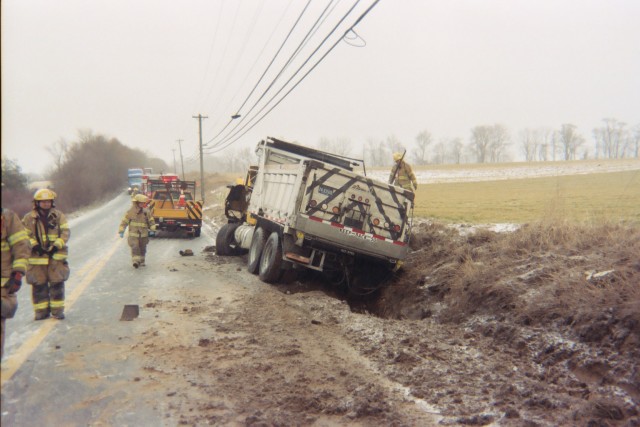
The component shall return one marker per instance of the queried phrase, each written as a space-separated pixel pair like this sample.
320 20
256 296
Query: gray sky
139 70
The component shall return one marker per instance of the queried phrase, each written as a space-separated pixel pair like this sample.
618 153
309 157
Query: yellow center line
16 360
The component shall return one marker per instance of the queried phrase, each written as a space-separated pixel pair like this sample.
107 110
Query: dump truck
173 205
305 209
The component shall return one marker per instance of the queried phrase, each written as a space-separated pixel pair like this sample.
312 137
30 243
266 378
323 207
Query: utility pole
181 159
200 117
174 161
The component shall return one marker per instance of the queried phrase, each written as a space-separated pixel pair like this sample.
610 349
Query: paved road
65 372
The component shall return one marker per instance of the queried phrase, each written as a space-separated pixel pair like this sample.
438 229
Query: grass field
593 197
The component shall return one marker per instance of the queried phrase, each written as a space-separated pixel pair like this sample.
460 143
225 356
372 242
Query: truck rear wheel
255 250
271 259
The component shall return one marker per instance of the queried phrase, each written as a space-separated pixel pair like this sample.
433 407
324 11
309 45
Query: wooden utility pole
174 161
181 159
200 117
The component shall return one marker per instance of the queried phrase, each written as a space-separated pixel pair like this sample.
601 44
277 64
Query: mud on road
246 353
241 352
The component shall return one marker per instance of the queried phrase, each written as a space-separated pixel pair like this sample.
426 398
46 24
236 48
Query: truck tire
225 244
196 232
255 250
271 259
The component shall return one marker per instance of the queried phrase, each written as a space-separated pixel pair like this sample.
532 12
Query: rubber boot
42 314
135 264
56 304
57 314
40 299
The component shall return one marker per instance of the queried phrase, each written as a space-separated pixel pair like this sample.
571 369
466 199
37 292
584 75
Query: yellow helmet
397 156
140 198
44 194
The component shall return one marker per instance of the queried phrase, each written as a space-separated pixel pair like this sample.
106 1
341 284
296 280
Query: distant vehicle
134 177
146 189
37 185
302 208
173 205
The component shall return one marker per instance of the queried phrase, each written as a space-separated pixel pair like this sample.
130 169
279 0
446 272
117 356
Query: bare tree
634 142
499 143
456 148
343 147
376 152
611 139
570 140
530 144
440 152
423 140
393 145
480 142
324 144
58 151
545 136
339 146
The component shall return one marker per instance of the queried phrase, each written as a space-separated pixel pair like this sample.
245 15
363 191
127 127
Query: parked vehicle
173 205
303 208
134 179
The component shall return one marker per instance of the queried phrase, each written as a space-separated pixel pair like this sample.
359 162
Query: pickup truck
303 208
173 205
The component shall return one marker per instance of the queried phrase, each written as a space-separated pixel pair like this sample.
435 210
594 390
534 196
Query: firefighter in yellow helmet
141 226
15 254
49 234
402 174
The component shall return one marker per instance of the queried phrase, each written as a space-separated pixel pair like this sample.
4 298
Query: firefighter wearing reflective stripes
15 255
49 234
402 174
141 226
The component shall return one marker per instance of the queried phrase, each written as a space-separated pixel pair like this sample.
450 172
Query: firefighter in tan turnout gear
402 174
49 234
141 226
15 253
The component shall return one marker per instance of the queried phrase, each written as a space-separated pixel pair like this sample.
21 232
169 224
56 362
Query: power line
219 148
289 60
224 54
239 55
265 71
213 43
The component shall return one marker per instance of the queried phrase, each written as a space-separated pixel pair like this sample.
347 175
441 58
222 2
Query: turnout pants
138 248
48 287
9 307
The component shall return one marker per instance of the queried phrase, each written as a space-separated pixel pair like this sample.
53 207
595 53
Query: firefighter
15 253
141 226
49 234
401 174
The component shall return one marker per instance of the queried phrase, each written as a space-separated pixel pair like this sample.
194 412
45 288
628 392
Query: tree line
493 143
84 171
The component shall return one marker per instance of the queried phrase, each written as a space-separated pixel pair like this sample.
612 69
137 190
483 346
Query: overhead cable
230 141
265 71
289 60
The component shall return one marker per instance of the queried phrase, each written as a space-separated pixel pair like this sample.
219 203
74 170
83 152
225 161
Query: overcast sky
138 70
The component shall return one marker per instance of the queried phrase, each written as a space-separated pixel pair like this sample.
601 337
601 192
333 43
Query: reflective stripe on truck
354 231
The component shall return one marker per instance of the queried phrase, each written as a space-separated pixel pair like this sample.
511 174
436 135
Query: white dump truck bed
320 198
